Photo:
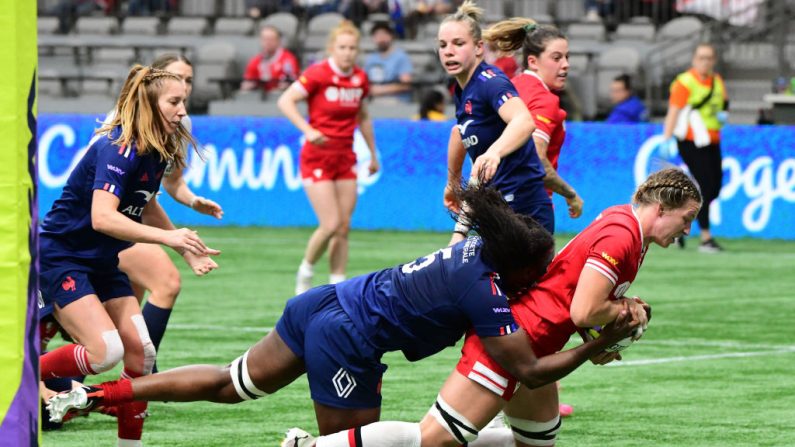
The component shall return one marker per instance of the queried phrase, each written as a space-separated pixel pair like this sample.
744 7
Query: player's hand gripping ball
594 332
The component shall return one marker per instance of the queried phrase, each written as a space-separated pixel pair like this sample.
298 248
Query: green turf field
715 368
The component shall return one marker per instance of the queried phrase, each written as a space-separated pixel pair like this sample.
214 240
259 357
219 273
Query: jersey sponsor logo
343 95
463 127
356 80
542 118
471 140
69 284
131 210
501 310
610 259
147 194
344 383
115 169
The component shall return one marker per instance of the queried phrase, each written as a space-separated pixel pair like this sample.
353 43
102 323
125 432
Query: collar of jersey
337 69
535 75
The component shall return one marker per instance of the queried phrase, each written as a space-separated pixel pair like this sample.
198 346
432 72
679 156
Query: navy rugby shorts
64 280
344 371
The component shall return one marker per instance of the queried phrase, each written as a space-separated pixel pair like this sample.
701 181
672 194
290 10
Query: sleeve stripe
541 134
599 267
300 87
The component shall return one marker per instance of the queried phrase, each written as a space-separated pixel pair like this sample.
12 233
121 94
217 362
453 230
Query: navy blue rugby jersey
134 179
426 305
479 122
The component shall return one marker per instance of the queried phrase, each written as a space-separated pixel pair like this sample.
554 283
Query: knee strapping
114 352
243 384
150 352
455 423
535 433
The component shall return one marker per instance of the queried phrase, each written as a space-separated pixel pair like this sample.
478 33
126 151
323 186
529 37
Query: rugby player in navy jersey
337 334
493 125
108 202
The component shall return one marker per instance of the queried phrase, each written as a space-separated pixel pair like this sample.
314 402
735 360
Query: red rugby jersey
334 98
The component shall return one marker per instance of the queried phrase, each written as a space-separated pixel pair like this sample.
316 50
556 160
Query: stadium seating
236 26
147 26
97 25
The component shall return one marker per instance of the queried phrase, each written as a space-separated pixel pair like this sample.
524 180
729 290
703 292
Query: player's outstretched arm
514 353
177 188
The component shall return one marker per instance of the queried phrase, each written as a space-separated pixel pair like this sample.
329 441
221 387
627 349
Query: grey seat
286 23
47 25
569 10
187 26
98 104
234 8
96 25
235 26
214 60
121 56
494 9
141 26
593 31
321 24
206 8
529 8
634 32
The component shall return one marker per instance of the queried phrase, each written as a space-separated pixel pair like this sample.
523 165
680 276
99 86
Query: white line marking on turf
207 327
691 358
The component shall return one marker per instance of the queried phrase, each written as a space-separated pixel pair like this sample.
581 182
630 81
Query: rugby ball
594 332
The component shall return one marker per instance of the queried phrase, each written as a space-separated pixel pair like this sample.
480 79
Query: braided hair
671 188
138 113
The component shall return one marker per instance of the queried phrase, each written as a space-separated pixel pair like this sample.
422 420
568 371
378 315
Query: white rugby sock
306 269
377 434
494 437
335 278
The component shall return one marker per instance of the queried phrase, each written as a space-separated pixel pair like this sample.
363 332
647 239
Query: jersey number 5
421 263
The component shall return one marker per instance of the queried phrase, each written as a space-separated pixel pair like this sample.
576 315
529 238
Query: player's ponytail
520 32
510 241
671 188
470 14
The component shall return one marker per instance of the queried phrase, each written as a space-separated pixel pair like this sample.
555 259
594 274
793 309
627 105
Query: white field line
208 327
693 358
762 349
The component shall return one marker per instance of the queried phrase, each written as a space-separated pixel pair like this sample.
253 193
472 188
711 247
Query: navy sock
156 319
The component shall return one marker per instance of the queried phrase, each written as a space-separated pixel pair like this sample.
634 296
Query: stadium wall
251 168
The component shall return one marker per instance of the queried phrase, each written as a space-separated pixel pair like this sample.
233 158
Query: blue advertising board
250 166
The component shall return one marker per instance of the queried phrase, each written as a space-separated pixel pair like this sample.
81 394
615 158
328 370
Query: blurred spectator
263 8
504 61
149 7
388 68
595 10
418 12
432 106
69 10
311 8
358 10
272 69
627 107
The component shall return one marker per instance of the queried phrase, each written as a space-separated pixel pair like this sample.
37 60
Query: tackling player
334 90
109 201
493 125
337 334
583 287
